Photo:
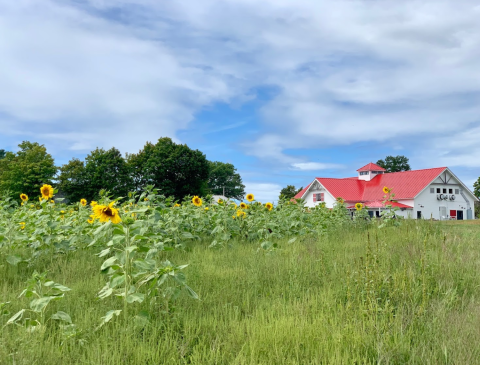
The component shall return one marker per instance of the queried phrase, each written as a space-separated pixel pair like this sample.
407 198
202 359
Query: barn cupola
368 172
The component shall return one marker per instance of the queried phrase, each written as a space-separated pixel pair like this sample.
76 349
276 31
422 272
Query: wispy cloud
311 166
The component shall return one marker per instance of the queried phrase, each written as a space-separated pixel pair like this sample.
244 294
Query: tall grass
400 295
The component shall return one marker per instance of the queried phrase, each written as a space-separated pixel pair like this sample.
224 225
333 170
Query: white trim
455 176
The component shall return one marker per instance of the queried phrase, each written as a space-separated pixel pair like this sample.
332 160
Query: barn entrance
460 215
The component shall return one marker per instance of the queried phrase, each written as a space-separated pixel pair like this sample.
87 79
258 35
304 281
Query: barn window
457 191
432 190
444 191
450 191
438 191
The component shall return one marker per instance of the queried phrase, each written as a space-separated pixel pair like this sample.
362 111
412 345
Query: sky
286 90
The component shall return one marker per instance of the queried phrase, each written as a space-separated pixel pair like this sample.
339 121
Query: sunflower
83 202
52 201
93 203
250 197
91 220
46 191
235 206
386 190
243 205
269 206
197 201
24 197
177 205
206 208
106 213
340 200
22 225
241 213
220 201
359 206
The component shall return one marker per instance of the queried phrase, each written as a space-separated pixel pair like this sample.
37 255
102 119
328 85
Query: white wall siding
431 205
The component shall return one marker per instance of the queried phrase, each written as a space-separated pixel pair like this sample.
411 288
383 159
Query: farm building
429 193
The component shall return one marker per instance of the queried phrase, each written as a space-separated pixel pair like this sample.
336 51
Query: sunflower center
108 211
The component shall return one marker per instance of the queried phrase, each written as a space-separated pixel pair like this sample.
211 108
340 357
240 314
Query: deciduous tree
289 192
174 169
394 163
26 170
224 180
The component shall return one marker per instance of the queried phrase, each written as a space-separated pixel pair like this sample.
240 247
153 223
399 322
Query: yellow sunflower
91 220
46 191
241 213
206 208
250 197
105 213
93 203
243 205
386 190
197 201
22 225
52 201
177 205
220 201
83 202
24 197
359 206
269 206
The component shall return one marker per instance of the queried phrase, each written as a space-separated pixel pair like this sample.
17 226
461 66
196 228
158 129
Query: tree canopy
102 170
26 170
476 188
394 163
224 180
174 169
289 192
2 153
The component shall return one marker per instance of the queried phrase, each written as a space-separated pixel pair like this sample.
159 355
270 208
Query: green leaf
187 235
292 240
108 317
104 252
135 297
37 305
14 260
191 292
16 317
62 316
109 262
56 286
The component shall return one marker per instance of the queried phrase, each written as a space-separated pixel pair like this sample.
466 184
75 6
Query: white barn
429 193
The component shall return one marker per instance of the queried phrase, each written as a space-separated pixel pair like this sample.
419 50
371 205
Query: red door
453 214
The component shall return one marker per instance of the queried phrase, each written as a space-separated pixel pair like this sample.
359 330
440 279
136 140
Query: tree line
174 169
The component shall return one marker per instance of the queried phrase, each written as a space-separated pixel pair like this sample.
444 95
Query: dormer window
364 172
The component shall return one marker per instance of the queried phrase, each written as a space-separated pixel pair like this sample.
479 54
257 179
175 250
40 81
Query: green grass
406 295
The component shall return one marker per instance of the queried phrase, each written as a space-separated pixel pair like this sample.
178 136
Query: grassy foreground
398 295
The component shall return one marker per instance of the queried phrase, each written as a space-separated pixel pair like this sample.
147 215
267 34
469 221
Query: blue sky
285 90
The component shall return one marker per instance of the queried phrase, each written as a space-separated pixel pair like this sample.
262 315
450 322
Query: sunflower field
146 279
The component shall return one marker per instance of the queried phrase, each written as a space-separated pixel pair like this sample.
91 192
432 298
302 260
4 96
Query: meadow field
268 285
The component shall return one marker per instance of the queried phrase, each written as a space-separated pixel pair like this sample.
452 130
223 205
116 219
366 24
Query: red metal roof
371 167
379 204
405 185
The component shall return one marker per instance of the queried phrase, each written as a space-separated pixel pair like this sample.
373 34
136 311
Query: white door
443 213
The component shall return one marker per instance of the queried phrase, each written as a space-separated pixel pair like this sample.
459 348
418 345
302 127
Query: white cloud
263 192
309 166
118 72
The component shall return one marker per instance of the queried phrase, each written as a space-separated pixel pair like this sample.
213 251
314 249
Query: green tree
102 169
224 180
289 192
2 154
72 180
476 188
174 169
394 163
26 170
